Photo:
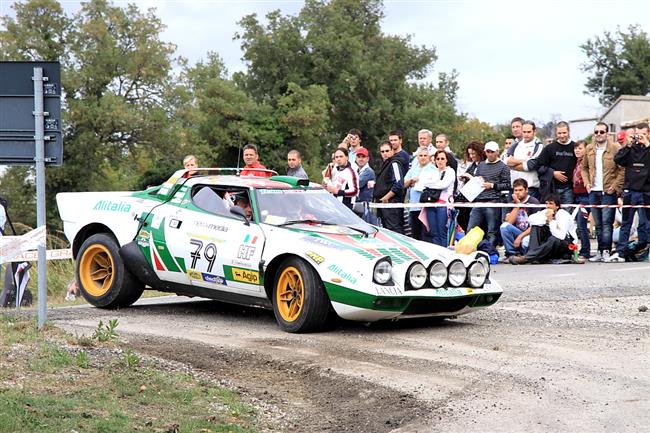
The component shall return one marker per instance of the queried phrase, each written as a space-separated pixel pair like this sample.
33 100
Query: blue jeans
566 195
508 234
636 198
491 216
582 218
604 218
437 219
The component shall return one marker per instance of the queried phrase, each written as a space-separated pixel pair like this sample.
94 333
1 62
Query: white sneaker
615 258
598 257
605 255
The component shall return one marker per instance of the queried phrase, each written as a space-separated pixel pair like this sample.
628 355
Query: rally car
276 242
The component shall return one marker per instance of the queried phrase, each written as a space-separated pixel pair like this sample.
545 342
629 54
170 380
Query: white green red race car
301 252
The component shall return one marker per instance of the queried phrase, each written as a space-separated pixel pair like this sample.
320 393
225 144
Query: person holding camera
352 142
635 157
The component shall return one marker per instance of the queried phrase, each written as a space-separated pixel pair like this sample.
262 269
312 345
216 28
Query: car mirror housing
240 212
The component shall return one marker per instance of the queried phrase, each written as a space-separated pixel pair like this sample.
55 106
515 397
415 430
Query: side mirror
359 208
241 213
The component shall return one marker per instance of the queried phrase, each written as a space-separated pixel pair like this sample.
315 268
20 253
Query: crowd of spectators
525 195
532 191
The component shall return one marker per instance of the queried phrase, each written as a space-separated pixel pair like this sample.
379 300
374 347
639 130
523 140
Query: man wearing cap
366 175
496 178
294 161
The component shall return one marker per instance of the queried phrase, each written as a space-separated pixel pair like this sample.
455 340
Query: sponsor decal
210 226
388 290
144 234
245 252
208 278
240 263
214 279
245 275
194 274
250 239
315 257
322 242
341 273
449 292
111 206
174 223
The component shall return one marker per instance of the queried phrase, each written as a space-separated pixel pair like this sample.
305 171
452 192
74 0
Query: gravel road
565 349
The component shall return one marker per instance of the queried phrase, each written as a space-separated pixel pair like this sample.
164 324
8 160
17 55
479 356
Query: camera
635 138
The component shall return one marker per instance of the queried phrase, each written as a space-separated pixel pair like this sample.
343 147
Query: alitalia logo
111 206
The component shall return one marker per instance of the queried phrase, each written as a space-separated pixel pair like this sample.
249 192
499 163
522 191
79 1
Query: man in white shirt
553 230
520 152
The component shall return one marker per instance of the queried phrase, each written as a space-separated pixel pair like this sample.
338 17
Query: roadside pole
39 159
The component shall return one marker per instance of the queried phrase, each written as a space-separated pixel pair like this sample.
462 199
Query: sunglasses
489 151
441 159
385 151
600 131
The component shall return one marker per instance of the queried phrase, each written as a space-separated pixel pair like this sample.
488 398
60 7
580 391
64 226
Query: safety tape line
13 246
32 256
508 205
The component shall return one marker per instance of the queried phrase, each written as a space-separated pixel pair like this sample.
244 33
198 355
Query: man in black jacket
389 188
558 157
635 157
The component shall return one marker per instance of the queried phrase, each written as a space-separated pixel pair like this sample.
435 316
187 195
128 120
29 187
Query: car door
220 250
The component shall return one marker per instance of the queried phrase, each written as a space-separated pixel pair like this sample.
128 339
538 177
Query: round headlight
485 261
477 274
437 274
417 275
457 273
382 271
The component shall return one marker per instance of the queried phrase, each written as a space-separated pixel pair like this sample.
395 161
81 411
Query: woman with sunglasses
442 178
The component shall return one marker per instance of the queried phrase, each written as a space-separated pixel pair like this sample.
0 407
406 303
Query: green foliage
106 332
17 184
81 359
623 59
339 45
131 358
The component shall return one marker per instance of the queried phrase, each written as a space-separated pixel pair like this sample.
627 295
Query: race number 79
209 253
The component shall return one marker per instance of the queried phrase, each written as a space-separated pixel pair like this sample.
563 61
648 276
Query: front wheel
103 280
300 303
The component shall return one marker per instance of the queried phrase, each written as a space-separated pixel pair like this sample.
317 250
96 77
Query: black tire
300 303
101 276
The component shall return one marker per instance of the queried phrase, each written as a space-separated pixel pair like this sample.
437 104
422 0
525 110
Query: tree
617 64
339 46
116 75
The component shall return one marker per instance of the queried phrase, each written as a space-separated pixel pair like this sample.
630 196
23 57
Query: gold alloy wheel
96 270
290 294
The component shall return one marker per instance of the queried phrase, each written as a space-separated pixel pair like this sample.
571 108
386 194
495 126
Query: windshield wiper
362 231
308 221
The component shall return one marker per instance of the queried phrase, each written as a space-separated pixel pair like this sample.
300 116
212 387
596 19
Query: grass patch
48 384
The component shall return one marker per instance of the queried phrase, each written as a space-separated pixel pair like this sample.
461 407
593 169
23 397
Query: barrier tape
32 256
509 205
13 246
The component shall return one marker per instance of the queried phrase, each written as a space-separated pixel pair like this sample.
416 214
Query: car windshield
284 207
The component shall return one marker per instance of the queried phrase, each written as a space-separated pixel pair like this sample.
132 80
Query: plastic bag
470 241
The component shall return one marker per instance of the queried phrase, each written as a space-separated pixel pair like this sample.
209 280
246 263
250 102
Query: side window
208 199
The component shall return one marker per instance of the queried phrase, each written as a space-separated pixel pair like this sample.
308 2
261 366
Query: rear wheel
103 280
300 303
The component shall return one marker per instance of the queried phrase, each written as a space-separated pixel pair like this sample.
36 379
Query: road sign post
30 133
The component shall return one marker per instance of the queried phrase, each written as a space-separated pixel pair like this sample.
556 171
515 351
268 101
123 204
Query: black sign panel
17 144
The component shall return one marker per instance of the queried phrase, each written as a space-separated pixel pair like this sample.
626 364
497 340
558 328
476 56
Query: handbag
431 195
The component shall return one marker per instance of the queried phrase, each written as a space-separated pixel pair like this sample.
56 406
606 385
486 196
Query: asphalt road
565 349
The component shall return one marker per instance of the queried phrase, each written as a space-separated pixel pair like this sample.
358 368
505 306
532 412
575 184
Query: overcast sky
514 57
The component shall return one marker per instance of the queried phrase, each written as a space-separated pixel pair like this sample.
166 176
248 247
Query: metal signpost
30 133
